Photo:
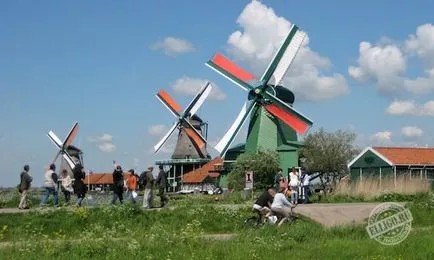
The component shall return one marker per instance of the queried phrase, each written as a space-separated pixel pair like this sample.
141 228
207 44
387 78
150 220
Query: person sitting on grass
263 204
282 207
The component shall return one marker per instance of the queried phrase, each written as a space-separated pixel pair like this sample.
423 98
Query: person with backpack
79 187
142 180
118 185
25 182
162 185
51 186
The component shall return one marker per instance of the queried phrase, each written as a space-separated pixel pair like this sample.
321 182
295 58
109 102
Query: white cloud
104 142
173 46
411 132
157 130
107 147
102 138
410 107
262 34
385 63
379 63
422 43
382 137
190 87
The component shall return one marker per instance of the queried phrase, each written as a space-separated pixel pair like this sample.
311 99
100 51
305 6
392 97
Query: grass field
123 232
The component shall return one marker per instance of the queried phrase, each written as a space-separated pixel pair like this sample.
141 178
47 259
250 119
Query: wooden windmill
274 123
190 143
71 155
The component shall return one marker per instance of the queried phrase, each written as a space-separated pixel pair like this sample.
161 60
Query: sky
366 66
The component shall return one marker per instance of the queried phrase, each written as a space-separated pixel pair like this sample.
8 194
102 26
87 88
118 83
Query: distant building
412 163
204 178
100 181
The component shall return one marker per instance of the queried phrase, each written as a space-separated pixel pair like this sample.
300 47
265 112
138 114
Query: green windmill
274 123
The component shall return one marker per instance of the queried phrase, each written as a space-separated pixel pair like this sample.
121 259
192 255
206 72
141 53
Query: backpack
142 179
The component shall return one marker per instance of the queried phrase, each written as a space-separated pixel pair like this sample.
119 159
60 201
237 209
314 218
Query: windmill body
70 155
185 147
190 151
274 123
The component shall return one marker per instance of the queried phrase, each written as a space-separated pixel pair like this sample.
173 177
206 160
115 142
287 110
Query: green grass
123 232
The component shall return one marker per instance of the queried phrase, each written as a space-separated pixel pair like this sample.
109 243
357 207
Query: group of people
53 184
134 183
271 202
291 187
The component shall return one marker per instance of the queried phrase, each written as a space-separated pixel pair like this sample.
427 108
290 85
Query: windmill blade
169 102
163 140
69 160
224 144
287 114
231 71
198 100
284 56
53 137
70 137
194 135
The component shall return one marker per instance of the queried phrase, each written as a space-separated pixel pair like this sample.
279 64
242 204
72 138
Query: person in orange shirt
132 186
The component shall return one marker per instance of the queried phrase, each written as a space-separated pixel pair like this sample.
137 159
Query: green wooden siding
369 160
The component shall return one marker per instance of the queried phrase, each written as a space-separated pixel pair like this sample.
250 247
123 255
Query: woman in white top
281 207
66 186
294 182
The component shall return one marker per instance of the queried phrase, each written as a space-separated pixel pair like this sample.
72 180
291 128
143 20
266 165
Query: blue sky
101 63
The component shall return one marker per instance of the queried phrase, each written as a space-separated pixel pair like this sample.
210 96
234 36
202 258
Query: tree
263 163
329 153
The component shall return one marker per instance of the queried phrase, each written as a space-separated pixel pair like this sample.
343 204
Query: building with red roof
412 162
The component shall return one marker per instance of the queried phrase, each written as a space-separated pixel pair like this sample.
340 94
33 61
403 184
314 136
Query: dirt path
337 214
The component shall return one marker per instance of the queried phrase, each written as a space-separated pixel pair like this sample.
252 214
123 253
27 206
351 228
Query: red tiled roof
100 178
407 155
200 174
92 178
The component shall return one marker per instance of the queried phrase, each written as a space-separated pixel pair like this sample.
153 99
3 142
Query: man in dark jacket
162 184
25 183
118 184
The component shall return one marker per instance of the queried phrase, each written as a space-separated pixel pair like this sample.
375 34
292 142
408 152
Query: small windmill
190 142
69 153
272 103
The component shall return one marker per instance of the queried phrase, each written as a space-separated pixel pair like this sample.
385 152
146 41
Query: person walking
162 185
79 187
294 182
118 185
25 182
51 186
132 186
149 183
66 186
305 180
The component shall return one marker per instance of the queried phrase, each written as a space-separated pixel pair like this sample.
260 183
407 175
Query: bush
263 163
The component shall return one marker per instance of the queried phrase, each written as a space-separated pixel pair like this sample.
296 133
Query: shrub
263 163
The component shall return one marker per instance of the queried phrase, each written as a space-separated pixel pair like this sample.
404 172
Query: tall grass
374 187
